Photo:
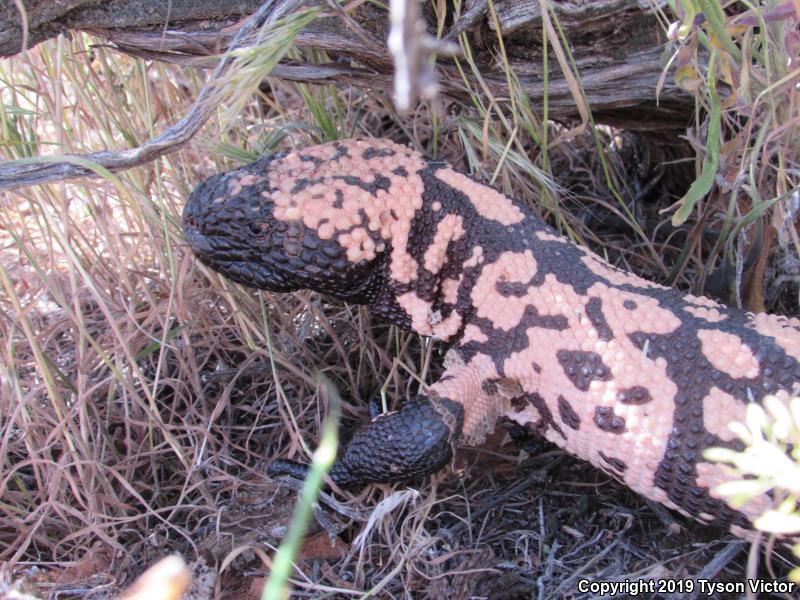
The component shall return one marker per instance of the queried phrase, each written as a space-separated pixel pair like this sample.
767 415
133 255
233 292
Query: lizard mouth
234 261
210 248
200 244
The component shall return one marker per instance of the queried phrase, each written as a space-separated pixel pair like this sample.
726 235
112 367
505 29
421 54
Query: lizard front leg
414 441
418 439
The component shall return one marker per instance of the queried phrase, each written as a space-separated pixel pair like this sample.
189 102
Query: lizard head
247 225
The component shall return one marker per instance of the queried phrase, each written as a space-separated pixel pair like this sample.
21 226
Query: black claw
375 407
280 467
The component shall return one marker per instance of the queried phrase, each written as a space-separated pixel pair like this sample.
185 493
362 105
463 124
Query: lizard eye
256 228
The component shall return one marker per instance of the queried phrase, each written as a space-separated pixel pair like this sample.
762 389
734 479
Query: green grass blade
702 184
277 587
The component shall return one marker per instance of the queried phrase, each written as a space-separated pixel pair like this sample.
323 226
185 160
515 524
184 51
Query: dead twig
20 173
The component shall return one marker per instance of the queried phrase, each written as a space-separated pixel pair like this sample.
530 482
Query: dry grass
141 394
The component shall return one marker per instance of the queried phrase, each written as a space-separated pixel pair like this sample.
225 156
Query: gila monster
634 377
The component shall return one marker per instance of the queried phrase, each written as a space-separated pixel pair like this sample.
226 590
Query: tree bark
617 46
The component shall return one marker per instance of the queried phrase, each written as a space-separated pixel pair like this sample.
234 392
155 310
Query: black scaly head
228 222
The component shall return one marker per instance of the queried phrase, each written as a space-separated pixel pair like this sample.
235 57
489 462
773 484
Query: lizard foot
414 441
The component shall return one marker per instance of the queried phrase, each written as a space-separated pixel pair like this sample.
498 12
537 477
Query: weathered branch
616 46
47 19
15 174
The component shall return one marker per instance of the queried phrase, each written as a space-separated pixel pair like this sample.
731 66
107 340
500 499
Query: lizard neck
429 281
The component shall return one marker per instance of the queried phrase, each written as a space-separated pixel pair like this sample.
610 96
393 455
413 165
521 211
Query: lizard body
632 376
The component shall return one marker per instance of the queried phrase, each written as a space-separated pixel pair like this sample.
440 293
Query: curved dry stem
20 173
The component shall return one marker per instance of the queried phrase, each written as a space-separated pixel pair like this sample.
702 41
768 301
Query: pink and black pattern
632 376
